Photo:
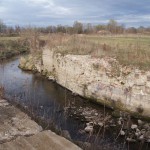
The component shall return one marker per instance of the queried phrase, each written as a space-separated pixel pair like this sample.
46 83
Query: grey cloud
47 12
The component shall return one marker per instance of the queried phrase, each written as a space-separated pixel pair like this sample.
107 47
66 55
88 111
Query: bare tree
2 27
78 27
112 26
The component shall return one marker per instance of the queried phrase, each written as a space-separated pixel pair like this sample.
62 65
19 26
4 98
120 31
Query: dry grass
8 38
128 50
10 46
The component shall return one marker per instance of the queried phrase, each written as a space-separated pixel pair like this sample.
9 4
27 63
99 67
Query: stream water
48 100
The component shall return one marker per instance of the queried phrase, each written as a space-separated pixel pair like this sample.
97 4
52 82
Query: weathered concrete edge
41 141
49 67
29 125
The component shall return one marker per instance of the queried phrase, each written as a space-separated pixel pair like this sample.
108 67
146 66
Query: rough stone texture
45 140
19 132
14 123
100 79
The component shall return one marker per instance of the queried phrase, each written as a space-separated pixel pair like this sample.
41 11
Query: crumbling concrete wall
103 80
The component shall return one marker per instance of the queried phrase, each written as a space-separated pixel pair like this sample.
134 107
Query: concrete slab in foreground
46 140
19 132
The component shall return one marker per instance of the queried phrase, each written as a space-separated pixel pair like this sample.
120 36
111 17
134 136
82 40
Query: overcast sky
65 12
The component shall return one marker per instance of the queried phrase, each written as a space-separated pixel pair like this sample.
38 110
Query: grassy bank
11 46
131 50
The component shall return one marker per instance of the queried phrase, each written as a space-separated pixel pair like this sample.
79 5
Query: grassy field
131 50
8 38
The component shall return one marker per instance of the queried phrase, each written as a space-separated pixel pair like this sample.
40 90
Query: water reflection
47 100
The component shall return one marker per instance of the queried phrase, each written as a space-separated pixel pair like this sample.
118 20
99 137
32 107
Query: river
48 101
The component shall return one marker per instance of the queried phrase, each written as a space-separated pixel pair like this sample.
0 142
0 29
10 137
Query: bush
9 48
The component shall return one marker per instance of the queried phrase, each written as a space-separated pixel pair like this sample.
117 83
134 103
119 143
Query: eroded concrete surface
19 132
14 123
103 80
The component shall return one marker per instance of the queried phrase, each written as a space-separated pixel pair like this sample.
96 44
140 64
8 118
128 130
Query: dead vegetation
11 47
131 50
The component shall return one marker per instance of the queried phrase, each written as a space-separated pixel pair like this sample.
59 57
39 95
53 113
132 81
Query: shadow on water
46 101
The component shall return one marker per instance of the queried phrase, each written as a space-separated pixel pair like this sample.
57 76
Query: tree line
112 27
